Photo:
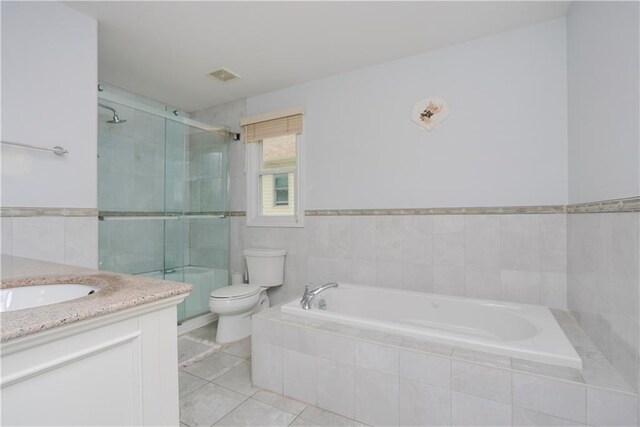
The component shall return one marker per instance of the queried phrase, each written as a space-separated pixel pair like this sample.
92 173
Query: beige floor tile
292 406
214 366
326 418
189 383
207 405
238 379
254 413
240 348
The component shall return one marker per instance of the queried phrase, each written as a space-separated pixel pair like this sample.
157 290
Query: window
281 189
273 176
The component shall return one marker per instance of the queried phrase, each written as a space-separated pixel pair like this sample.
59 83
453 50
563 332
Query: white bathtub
524 331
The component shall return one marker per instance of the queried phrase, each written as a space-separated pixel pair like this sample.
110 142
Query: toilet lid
236 291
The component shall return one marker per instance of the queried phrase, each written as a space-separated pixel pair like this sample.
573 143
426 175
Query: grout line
512 400
451 392
294 420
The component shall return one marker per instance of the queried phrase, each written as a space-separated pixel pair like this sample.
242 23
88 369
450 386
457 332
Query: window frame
254 195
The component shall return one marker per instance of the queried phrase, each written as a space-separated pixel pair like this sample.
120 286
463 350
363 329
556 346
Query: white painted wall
49 78
505 142
604 105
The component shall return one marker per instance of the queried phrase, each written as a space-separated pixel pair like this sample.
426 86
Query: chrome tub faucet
309 295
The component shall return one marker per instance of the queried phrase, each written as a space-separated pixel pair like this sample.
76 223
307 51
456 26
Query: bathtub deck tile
380 337
337 348
377 357
300 320
596 369
552 371
339 328
299 339
427 346
481 357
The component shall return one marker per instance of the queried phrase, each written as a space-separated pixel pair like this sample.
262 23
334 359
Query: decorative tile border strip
160 216
499 210
630 204
160 213
133 213
36 212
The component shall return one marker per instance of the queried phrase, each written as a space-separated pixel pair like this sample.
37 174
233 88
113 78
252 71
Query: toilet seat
235 292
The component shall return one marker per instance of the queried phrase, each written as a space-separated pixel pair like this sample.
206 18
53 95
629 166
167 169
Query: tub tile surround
385 379
519 258
603 292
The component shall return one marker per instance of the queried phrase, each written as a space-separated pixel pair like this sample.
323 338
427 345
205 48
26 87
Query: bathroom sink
38 295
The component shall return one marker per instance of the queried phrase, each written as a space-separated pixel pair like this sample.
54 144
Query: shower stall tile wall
162 195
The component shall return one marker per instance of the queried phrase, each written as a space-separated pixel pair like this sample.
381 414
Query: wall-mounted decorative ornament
430 112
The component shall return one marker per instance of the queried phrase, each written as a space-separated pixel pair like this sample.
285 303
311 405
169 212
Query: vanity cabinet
118 369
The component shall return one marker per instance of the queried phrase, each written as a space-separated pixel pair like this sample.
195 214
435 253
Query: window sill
274 222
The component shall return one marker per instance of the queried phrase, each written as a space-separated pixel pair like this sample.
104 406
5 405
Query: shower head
116 119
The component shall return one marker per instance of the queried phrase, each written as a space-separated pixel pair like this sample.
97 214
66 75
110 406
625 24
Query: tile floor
218 391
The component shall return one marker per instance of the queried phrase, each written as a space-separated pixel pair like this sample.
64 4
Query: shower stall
162 195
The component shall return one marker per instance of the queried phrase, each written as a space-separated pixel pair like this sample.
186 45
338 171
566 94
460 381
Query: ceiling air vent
224 75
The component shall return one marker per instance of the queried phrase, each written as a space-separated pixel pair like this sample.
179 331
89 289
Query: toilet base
233 327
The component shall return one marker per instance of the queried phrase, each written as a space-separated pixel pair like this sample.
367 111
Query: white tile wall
65 240
552 397
608 408
505 257
423 405
603 285
481 381
376 397
425 368
336 387
299 375
467 410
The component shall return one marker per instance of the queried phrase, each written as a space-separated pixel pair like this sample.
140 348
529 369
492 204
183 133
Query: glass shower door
197 192
162 197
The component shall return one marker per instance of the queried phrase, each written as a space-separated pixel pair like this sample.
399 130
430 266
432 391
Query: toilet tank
265 266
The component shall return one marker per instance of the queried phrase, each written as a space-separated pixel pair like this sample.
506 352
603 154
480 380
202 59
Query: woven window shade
271 128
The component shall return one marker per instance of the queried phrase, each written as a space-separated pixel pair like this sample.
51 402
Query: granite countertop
117 292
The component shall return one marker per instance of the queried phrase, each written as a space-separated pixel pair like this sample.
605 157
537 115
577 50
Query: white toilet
235 304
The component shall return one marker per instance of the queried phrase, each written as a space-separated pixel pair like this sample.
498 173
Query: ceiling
165 49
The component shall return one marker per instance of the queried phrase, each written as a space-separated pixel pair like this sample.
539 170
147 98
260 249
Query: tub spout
309 295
